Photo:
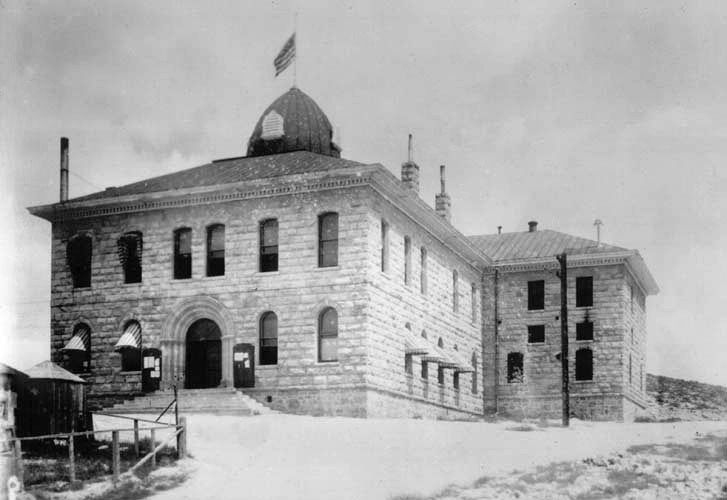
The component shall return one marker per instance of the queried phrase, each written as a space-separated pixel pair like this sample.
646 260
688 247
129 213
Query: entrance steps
221 401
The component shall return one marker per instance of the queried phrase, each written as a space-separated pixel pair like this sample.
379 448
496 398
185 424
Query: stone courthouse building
321 285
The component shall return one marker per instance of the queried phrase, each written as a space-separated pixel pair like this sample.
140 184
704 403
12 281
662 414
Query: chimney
442 201
410 170
533 226
64 169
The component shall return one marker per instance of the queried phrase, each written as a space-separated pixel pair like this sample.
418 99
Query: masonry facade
320 285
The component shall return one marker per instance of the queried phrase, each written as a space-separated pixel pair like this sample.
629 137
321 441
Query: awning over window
439 356
79 341
416 345
130 338
462 365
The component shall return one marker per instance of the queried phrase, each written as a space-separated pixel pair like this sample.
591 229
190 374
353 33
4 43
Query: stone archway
174 336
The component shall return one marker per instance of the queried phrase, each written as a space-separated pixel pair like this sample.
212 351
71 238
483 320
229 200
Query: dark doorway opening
243 365
204 355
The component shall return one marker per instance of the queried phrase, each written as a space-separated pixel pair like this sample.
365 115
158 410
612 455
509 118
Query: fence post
71 458
136 437
19 470
182 438
115 454
153 445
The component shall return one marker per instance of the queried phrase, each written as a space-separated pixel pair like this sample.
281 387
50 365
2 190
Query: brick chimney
533 226
442 201
64 169
410 170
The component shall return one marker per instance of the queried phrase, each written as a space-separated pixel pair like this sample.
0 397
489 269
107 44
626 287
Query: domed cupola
293 122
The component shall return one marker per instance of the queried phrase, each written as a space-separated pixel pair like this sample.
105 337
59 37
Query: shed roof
9 370
50 370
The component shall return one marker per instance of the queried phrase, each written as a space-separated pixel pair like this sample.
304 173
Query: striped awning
80 339
416 345
130 338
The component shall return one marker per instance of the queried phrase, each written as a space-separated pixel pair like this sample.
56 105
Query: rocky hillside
673 398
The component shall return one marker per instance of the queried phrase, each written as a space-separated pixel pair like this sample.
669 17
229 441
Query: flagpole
295 59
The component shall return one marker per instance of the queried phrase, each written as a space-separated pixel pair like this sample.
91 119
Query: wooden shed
57 401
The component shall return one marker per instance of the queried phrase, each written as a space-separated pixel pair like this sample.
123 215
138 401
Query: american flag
285 56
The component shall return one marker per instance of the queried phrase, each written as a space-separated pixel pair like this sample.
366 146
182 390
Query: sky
560 112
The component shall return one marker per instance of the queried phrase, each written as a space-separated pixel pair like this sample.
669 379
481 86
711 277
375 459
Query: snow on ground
299 457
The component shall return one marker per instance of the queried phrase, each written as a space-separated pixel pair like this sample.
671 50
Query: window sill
537 344
536 310
584 382
267 367
215 278
267 273
584 340
327 268
328 363
129 285
131 372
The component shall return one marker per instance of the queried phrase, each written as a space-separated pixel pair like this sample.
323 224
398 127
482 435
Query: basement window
584 364
515 373
584 291
536 334
536 295
584 330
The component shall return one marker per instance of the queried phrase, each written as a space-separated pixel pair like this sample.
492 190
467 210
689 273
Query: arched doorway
204 355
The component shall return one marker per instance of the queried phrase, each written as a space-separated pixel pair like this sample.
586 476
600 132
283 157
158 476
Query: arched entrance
204 355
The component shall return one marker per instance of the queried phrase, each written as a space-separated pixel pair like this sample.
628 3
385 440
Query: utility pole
564 334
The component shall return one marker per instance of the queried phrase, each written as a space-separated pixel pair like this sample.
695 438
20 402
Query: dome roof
293 122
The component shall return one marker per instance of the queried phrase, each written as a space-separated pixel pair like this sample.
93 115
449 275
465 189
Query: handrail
63 435
131 418
174 401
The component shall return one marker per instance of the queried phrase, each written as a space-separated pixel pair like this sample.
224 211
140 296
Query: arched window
425 365
268 339
440 370
269 245
216 250
515 373
474 373
328 335
78 254
407 260
328 240
584 364
384 246
129 247
78 350
182 253
129 346
423 272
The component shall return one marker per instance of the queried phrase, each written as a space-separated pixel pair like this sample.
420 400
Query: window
423 272
216 250
182 253
584 364
77 352
328 335
425 365
455 291
408 368
440 370
78 255
328 240
584 330
474 373
455 381
515 373
407 260
536 295
269 245
473 300
129 346
630 370
584 291
269 339
129 247
384 246
536 334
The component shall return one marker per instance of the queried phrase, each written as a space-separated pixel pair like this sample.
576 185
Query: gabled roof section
536 244
228 171
540 247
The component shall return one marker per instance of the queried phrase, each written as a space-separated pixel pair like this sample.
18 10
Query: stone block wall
395 305
634 375
297 292
540 390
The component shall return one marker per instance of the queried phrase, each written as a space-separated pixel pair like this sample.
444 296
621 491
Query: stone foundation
585 407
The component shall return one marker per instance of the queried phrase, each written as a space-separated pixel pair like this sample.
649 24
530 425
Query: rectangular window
269 246
384 246
474 302
584 291
408 364
423 272
407 260
584 330
536 295
216 250
182 253
129 248
515 373
78 254
455 291
584 364
440 375
425 370
455 381
328 240
536 334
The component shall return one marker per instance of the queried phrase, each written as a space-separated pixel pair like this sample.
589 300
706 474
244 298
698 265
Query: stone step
217 401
